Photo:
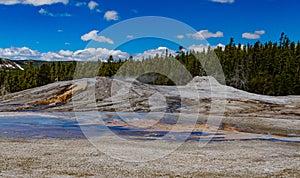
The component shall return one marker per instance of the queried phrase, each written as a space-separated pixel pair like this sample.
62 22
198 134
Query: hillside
8 64
245 111
34 63
20 64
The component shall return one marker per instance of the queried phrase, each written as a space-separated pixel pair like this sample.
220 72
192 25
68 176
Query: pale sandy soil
78 158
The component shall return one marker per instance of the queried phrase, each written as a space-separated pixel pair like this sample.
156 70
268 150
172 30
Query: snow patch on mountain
8 64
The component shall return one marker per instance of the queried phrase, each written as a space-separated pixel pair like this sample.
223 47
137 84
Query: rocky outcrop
203 96
8 64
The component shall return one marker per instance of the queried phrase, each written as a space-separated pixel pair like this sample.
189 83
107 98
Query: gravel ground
79 158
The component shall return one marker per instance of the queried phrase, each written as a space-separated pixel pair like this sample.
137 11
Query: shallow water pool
65 125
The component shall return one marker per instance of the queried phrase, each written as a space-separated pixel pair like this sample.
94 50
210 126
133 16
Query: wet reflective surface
125 125
38 127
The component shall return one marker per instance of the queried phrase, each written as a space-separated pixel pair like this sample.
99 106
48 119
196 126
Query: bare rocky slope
8 64
203 95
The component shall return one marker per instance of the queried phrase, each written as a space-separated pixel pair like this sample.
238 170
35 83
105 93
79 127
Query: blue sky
45 28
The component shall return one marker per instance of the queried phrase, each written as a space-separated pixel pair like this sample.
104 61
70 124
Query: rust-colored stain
62 98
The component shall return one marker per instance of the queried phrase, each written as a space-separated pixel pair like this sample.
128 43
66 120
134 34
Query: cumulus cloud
198 48
204 47
223 1
9 2
93 35
162 48
205 34
92 5
99 53
18 52
33 2
252 36
160 51
111 15
220 45
43 11
78 4
46 13
260 32
89 54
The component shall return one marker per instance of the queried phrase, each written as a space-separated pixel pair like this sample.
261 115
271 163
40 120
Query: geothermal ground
200 129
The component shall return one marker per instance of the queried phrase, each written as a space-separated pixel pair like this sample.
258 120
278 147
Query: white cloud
111 15
13 52
256 35
92 5
9 2
160 51
180 37
202 47
198 48
95 54
129 36
89 54
205 34
93 35
78 4
67 43
251 36
60 31
162 48
43 11
260 32
220 45
223 1
46 13
33 2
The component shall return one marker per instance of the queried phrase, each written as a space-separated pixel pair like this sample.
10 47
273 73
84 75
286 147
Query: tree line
272 68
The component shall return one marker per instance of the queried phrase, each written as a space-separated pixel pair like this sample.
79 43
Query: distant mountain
34 63
8 64
19 64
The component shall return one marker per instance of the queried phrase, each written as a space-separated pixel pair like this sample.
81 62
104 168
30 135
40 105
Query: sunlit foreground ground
52 144
79 158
